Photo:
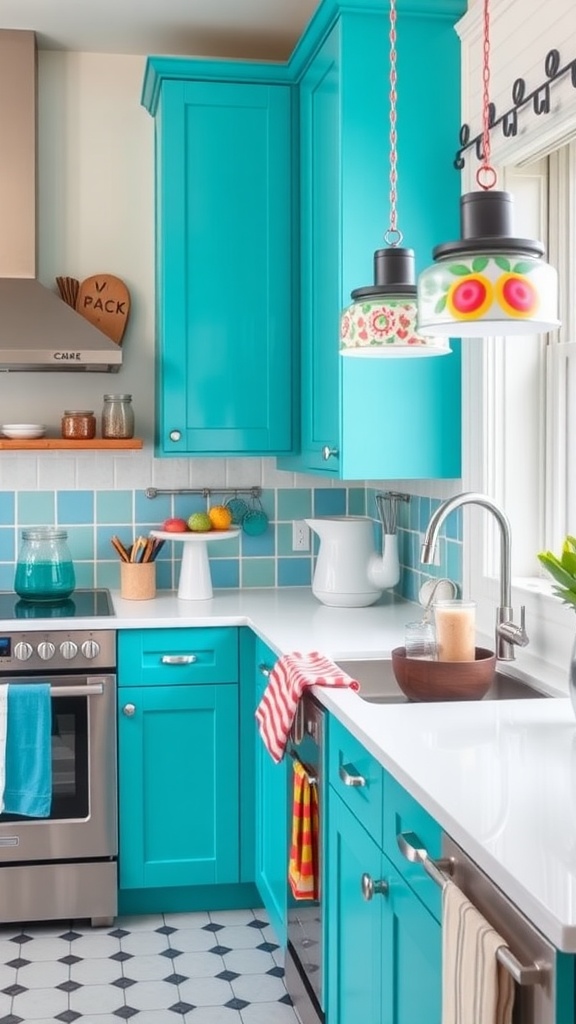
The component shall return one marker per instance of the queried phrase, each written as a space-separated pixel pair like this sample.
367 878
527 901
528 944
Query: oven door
82 821
304 966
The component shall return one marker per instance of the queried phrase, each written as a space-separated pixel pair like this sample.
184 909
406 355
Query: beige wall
95 215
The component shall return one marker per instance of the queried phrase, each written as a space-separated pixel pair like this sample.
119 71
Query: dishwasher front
532 959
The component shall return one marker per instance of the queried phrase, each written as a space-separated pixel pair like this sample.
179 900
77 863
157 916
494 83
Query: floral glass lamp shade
488 283
382 317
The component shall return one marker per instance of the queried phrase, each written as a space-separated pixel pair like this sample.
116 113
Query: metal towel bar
412 848
312 779
92 690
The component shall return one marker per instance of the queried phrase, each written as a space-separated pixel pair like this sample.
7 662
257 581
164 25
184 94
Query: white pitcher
349 572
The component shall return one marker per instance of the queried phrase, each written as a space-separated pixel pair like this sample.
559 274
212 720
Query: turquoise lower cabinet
179 759
354 928
384 952
178 785
383 934
272 837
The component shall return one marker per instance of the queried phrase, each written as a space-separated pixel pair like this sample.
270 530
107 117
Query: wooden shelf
44 444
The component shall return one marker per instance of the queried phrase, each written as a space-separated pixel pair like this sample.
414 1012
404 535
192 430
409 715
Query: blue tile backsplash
92 517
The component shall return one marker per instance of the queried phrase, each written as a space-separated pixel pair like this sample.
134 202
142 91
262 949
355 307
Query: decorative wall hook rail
540 98
206 492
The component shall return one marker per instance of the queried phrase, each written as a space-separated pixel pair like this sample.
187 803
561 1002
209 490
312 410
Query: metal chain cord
393 236
486 175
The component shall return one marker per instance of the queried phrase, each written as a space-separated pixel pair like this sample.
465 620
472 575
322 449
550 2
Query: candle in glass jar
455 630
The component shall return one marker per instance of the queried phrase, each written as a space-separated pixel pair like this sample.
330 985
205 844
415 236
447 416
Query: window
521 426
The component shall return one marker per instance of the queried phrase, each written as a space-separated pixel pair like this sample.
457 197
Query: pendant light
382 318
487 282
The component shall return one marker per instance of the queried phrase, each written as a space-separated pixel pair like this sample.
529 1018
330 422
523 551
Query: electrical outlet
300 536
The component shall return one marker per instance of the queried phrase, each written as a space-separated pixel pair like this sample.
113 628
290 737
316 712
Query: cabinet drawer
349 760
402 813
149 657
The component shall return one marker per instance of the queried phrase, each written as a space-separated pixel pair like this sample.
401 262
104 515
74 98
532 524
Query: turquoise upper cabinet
374 418
225 275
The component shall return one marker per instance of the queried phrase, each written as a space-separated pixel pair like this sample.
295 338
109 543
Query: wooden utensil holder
137 581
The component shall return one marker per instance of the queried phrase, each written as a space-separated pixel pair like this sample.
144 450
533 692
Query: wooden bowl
424 680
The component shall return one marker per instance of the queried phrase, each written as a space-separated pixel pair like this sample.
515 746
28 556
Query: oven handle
412 848
92 690
312 779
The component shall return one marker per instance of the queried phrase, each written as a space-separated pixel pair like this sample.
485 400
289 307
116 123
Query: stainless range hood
38 330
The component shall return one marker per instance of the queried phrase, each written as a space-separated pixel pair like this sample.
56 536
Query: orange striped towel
289 678
303 866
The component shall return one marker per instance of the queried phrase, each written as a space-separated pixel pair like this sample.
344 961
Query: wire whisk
387 504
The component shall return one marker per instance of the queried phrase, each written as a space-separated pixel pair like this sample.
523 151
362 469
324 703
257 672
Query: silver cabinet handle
264 670
175 435
347 773
129 710
371 888
413 849
328 452
178 659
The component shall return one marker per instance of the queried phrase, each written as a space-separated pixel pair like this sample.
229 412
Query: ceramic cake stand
195 579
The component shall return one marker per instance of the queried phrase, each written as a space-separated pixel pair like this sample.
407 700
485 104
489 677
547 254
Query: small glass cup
420 640
455 630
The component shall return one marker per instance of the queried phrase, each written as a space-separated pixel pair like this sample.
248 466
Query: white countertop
499 776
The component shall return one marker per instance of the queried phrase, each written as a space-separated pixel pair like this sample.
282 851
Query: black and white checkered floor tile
223 967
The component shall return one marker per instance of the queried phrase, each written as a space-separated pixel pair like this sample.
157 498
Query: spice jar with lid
117 416
44 570
78 425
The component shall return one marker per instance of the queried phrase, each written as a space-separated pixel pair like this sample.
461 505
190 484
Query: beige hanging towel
476 989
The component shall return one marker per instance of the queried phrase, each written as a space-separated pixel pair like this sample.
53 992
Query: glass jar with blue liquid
44 570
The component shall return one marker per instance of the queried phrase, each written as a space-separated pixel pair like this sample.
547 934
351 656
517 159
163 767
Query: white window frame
516 422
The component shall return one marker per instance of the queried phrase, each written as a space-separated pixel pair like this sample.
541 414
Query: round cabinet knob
175 435
129 710
46 650
23 651
370 888
68 649
328 452
90 649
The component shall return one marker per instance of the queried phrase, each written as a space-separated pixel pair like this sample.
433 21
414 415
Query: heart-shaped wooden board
104 300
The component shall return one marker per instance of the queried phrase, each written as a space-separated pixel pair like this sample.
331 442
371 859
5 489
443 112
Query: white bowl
23 431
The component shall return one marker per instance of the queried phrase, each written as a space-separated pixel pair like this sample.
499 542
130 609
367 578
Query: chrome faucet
508 634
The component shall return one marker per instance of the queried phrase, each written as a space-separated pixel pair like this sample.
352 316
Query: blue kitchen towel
28 788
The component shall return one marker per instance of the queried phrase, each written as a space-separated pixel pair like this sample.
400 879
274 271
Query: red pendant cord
393 236
486 175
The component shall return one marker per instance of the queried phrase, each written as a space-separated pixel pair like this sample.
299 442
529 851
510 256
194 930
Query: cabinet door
178 785
320 256
411 956
271 819
353 935
225 268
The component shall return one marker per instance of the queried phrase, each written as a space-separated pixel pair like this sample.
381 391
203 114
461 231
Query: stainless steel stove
64 865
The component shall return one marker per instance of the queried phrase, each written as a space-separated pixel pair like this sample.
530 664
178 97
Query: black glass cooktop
82 604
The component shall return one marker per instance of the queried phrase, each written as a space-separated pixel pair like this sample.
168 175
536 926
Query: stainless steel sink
379 686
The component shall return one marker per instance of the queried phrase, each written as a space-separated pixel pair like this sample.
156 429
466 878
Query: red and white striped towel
289 678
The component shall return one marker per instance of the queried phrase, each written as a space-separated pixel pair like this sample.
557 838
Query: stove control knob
90 649
23 651
46 650
68 649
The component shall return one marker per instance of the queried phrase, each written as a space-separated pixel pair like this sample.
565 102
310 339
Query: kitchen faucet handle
513 633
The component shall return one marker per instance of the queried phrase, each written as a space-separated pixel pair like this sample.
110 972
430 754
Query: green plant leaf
459 269
440 305
556 570
480 263
501 262
568 562
522 267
